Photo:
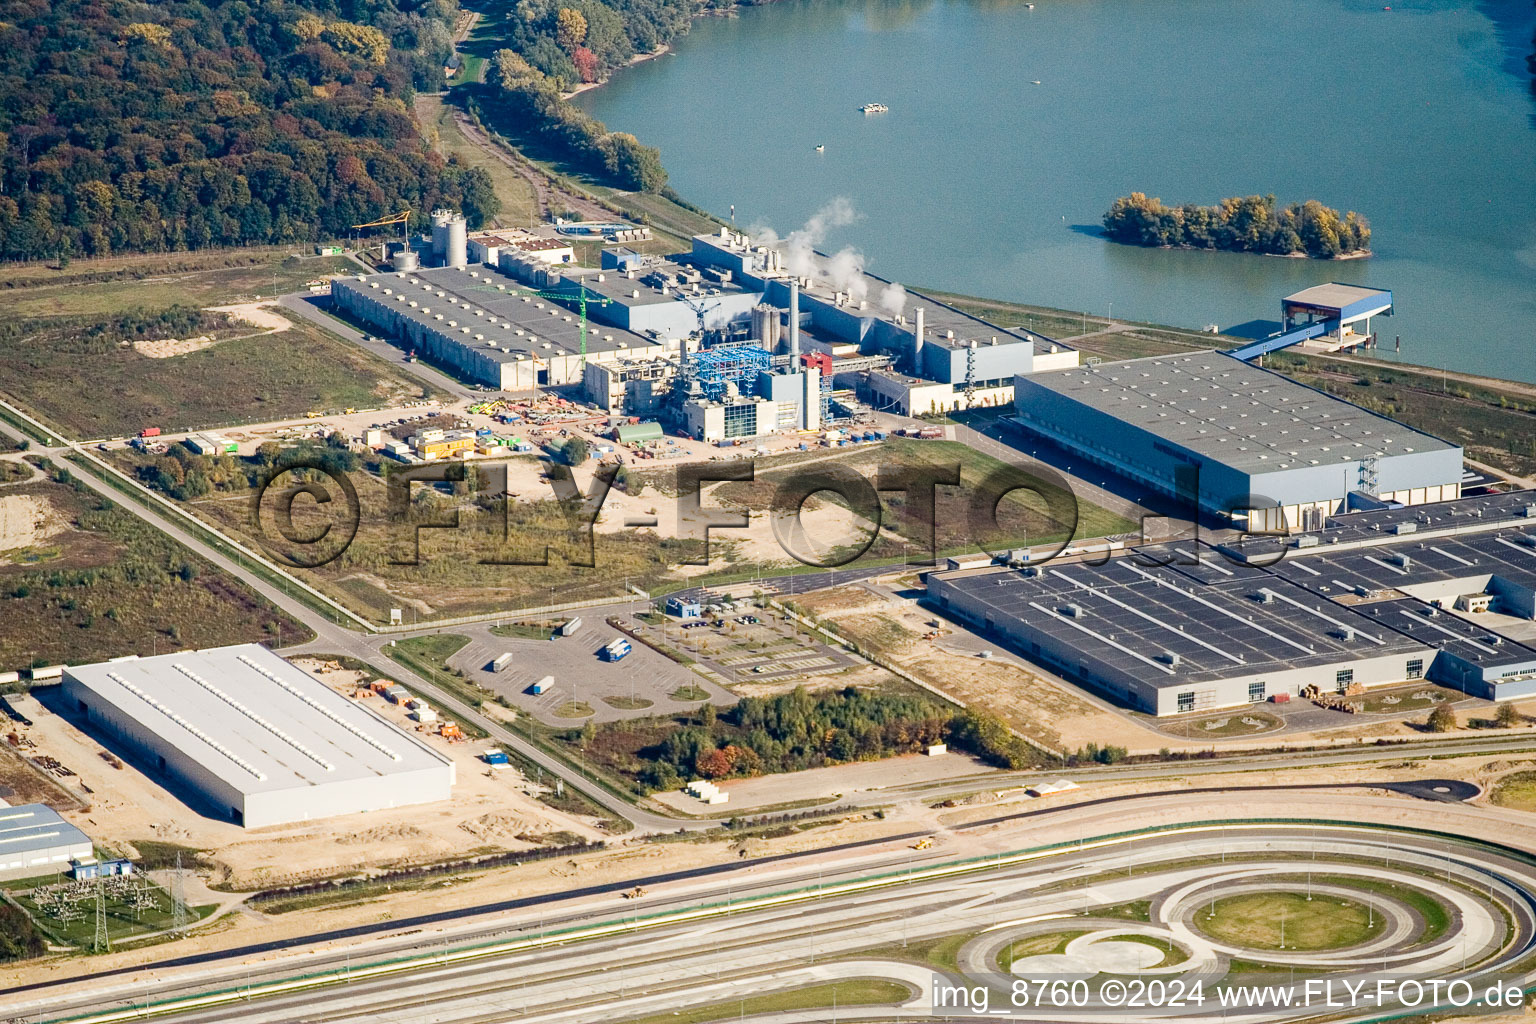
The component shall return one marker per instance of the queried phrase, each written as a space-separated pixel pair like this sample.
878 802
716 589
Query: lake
980 181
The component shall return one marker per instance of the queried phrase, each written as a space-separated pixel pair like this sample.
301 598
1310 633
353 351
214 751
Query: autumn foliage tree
1241 224
185 124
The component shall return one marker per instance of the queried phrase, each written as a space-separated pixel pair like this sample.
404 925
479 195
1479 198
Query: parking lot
643 683
749 646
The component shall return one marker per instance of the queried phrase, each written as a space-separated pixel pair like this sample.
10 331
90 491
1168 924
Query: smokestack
917 344
794 320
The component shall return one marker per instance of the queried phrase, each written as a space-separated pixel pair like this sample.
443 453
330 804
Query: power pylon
178 900
101 943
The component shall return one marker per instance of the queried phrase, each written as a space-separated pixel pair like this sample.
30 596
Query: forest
185 124
1243 224
793 731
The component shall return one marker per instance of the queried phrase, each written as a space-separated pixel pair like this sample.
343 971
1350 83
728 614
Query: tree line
800 729
187 124
1241 224
527 103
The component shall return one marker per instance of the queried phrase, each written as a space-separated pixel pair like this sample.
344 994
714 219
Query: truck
569 627
618 650
150 432
501 662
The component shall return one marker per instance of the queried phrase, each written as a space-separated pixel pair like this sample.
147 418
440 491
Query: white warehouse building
251 739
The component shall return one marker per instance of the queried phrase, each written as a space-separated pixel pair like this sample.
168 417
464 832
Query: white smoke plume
799 258
845 273
893 299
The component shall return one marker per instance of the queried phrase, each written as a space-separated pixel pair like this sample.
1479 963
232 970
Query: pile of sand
26 520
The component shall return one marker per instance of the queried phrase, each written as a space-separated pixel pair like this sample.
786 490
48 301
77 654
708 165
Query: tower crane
700 310
403 218
582 299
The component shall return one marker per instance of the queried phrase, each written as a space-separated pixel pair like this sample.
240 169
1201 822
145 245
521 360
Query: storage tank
450 239
440 220
405 259
766 326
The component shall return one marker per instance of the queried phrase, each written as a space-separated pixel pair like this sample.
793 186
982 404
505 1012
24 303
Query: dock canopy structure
1344 303
1328 313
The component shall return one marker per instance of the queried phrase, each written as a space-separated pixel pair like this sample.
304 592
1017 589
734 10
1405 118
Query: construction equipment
635 893
923 844
581 298
403 218
700 310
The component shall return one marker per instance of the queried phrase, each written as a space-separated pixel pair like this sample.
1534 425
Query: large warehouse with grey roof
254 740
1210 425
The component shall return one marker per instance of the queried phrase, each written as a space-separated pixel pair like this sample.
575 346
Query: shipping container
543 685
569 627
501 662
495 757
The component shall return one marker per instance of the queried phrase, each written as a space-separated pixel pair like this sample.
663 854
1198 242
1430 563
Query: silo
766 326
458 242
405 259
440 222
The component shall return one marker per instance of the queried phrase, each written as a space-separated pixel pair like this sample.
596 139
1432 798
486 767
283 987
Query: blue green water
980 181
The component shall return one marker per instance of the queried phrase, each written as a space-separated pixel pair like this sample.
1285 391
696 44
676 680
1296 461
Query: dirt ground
827 784
491 811
26 520
1049 712
165 348
631 860
1058 714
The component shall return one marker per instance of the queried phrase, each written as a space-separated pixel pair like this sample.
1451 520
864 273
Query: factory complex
249 738
1372 598
723 341
1246 443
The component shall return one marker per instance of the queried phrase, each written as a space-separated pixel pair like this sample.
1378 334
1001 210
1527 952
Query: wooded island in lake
1240 224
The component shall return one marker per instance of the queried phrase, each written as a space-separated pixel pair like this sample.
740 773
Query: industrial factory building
1213 426
1442 592
34 840
487 326
251 739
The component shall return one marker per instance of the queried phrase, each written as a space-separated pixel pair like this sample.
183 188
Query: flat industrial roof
1132 617
32 827
1515 508
253 720
502 309
617 286
1415 561
1447 632
1236 413
1336 296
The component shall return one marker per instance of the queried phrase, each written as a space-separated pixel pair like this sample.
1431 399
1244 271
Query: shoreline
639 58
1358 254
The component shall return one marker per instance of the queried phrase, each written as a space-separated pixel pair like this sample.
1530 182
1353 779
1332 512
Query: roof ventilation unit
1072 611
1170 658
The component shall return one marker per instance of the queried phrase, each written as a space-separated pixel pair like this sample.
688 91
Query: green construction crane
581 300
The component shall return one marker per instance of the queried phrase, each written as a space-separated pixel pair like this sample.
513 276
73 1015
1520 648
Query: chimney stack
794 320
917 344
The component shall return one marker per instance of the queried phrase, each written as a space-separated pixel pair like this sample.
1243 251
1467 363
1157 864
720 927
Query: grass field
153 281
244 380
123 921
112 587
519 205
1517 791
1288 920
1036 945
1021 516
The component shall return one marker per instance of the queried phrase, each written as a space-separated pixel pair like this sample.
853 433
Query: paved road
312 308
743 950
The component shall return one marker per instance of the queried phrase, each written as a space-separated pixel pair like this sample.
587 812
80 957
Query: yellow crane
403 218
